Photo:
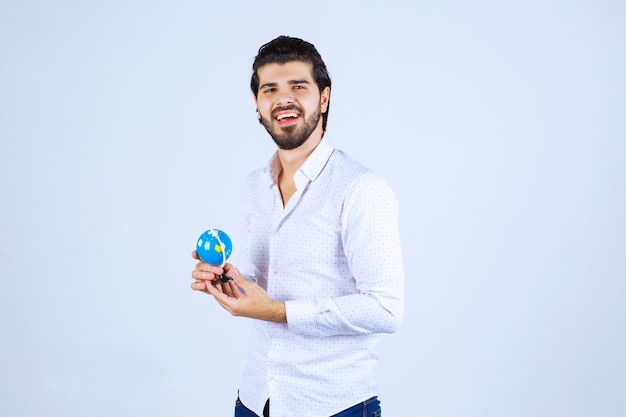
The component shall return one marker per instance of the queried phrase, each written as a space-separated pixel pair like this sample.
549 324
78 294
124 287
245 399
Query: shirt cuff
301 316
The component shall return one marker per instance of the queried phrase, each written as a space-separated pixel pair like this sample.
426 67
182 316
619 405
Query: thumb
239 279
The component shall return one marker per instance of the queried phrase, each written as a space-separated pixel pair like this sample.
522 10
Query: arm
372 247
239 297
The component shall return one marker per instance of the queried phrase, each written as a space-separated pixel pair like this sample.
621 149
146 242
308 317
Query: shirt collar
314 164
311 168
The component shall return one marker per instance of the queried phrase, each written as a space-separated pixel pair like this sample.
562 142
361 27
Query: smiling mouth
287 117
283 116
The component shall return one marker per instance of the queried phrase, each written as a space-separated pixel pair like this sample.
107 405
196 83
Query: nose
285 98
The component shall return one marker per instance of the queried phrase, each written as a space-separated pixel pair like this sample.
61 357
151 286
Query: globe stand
223 279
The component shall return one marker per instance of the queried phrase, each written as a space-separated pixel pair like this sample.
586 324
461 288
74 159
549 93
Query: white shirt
333 256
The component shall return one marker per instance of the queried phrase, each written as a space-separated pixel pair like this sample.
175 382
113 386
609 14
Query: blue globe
214 247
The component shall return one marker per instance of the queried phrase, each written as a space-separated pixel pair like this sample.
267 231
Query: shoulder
369 191
347 165
265 175
256 188
259 177
359 179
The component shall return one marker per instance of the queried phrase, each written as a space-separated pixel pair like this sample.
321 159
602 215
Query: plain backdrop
127 128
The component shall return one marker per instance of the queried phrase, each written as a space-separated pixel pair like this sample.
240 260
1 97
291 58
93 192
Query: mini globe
214 247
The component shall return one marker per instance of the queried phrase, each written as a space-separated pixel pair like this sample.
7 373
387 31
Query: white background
127 128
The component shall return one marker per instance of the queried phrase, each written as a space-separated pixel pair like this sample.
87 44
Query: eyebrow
290 82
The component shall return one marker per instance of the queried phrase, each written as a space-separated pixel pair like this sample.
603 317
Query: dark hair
286 49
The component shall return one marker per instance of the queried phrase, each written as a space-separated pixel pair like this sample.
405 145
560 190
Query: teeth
285 115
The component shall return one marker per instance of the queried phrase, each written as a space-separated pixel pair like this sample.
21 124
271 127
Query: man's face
289 102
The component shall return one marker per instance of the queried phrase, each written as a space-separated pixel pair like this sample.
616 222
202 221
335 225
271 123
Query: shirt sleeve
371 242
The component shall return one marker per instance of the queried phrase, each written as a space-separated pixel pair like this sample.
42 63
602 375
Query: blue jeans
368 408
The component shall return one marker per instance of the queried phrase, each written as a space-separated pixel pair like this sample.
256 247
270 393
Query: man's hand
239 297
204 273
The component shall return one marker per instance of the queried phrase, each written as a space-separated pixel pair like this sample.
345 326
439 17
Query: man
325 274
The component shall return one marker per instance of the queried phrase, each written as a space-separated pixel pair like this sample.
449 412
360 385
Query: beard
291 137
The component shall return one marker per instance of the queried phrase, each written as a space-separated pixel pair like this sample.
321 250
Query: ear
324 99
256 104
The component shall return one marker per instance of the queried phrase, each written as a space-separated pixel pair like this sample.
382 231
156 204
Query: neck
292 159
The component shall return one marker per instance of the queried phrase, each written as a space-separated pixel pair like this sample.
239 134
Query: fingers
206 271
226 294
205 267
217 291
199 285
205 276
236 290
234 273
227 289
